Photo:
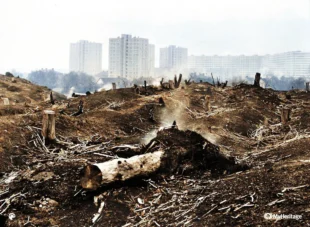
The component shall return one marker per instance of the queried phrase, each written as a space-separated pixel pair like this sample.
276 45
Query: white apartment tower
173 58
292 64
86 57
131 57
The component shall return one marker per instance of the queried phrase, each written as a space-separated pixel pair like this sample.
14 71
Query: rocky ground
40 185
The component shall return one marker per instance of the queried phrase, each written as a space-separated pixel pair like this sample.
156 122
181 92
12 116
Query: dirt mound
200 153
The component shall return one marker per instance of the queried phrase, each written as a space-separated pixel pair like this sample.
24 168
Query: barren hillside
240 161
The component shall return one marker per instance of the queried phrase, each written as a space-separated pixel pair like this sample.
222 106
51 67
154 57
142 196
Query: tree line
81 82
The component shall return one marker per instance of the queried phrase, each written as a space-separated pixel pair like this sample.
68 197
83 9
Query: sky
36 34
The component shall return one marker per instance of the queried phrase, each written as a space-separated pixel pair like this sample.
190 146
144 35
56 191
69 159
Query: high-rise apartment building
295 64
151 64
173 58
131 57
86 57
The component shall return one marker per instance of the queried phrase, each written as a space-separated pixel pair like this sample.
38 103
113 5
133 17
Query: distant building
173 58
151 64
131 57
86 57
295 64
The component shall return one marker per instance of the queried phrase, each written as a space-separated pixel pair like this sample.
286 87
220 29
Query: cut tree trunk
48 129
213 79
177 82
178 150
187 82
121 169
161 101
207 103
114 86
52 98
171 84
6 101
80 109
257 80
285 115
145 85
307 86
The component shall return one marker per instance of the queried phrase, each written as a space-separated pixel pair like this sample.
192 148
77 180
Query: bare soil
46 184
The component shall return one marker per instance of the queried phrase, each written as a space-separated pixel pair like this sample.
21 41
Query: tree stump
257 80
266 123
52 98
6 101
307 86
113 86
161 101
171 84
285 115
207 103
48 129
177 82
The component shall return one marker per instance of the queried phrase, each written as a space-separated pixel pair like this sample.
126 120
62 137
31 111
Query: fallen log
174 151
121 169
78 94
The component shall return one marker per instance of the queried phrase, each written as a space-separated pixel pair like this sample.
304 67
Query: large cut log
171 151
121 169
48 129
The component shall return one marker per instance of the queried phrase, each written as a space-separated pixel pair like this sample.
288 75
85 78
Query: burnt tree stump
257 80
161 101
52 98
113 86
177 82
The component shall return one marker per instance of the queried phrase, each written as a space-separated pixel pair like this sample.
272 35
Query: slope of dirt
41 185
25 101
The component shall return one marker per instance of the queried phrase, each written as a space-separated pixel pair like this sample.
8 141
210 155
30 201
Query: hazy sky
36 34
